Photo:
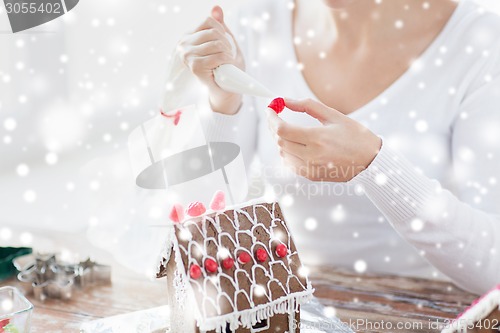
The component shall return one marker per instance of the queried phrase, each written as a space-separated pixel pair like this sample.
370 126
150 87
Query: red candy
243 258
176 116
218 201
211 265
195 271
228 263
261 255
196 209
281 250
177 213
277 104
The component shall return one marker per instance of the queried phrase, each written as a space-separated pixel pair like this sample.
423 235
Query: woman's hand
337 151
207 48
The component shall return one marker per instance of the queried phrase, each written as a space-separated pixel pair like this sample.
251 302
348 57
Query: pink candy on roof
177 213
197 208
218 201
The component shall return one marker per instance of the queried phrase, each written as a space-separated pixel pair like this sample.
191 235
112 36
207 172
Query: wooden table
375 302
417 305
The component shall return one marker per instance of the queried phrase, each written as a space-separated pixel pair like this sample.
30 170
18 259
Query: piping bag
232 79
229 77
170 151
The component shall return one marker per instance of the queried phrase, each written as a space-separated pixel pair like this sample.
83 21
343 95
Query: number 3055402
33 7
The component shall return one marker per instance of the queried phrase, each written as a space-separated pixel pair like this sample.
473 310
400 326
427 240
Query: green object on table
7 255
10 329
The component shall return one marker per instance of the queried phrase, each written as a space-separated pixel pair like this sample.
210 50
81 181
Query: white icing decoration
164 255
223 252
249 317
291 318
475 313
181 286
182 271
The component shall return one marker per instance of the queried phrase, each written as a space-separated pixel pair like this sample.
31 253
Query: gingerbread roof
246 292
479 309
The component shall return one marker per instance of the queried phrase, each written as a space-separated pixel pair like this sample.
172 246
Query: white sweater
430 201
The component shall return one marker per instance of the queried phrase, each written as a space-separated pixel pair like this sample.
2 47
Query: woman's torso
335 223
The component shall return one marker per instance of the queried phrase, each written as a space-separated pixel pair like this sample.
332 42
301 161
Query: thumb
315 109
218 14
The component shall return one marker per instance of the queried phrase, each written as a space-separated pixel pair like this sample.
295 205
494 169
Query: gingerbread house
236 270
483 316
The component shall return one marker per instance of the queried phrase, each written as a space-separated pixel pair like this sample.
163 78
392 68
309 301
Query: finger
203 36
210 23
218 15
201 64
209 48
296 164
315 109
296 149
292 160
285 130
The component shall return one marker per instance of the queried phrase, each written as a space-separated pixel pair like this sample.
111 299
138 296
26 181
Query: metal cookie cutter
49 278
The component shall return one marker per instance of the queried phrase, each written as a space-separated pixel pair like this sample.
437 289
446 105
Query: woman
400 158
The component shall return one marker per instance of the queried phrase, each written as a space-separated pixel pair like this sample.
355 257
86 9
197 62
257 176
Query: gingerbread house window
260 326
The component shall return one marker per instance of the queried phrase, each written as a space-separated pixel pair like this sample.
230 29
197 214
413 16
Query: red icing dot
243 258
261 255
277 104
195 271
177 213
281 250
196 209
211 265
228 263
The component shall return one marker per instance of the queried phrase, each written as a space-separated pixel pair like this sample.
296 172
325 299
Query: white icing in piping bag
232 79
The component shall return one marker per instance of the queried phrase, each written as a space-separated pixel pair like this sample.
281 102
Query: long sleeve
240 128
459 232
